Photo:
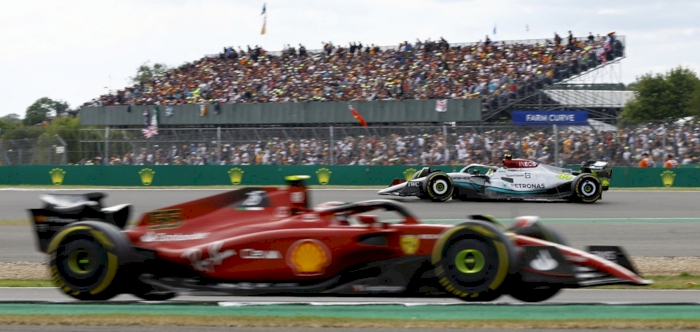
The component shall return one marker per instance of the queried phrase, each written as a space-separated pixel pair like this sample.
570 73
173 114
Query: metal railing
353 145
35 151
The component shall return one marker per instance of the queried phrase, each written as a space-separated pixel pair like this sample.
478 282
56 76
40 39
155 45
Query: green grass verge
253 321
12 222
26 283
681 281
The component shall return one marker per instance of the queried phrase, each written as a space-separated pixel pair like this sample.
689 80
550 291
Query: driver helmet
341 219
508 156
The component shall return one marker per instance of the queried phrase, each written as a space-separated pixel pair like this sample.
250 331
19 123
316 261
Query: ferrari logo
146 175
235 175
324 176
667 177
409 244
408 174
57 176
308 257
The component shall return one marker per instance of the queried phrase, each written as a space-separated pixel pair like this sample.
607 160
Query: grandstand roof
591 98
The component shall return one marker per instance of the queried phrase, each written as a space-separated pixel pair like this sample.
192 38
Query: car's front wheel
439 187
473 260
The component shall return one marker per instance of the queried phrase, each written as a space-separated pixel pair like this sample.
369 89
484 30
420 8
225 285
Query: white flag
441 105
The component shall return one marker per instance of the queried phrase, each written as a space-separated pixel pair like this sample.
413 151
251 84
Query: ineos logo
527 164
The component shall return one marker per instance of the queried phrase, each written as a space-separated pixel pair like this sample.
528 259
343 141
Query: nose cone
393 190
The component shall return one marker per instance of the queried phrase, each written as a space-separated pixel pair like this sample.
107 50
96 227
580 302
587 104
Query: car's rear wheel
473 260
439 187
86 260
587 189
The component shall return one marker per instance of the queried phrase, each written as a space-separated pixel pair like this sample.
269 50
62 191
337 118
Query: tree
664 97
41 110
68 128
12 117
146 73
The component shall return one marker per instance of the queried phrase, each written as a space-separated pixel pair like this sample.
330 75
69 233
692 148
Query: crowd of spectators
493 70
462 146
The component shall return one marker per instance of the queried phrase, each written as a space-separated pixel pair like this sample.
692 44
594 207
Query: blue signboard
547 118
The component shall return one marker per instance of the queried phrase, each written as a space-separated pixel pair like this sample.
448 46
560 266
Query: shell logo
308 257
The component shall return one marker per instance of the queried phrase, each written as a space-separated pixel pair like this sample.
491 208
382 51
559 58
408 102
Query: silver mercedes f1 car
516 179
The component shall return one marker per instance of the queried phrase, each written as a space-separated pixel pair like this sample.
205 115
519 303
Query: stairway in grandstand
596 90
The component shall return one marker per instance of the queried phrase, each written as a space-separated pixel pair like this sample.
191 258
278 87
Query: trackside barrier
210 175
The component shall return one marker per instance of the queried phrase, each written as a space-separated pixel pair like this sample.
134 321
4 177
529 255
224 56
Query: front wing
409 188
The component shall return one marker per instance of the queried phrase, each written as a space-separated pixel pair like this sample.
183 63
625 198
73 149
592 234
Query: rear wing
600 169
64 209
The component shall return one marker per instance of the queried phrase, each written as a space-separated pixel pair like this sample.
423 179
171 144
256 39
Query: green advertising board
251 175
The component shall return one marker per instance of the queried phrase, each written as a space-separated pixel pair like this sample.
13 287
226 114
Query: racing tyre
86 260
587 188
473 260
439 187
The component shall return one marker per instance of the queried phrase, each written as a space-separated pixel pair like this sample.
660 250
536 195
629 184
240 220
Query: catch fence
446 144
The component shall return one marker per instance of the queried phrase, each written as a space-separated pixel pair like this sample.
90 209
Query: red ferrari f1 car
270 241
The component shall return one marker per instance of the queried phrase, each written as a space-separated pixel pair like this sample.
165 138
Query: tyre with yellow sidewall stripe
587 188
86 260
473 260
439 187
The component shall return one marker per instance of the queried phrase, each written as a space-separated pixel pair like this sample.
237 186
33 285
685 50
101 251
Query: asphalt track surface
641 235
582 296
647 223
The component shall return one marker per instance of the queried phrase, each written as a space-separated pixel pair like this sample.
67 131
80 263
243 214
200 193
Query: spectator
494 71
646 161
670 162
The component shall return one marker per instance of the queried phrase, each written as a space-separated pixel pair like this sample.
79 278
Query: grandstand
290 108
502 74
